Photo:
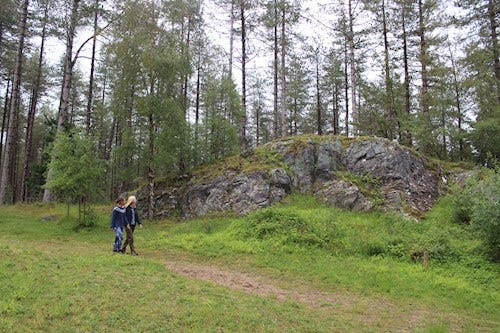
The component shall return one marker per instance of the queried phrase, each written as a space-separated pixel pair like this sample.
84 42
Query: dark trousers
129 240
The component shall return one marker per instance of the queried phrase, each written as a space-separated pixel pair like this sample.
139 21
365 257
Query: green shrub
397 248
375 248
479 205
286 228
463 207
486 215
87 219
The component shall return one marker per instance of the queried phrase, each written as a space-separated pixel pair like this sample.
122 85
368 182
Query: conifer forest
98 97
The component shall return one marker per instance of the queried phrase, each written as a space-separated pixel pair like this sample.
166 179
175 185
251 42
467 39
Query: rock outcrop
359 174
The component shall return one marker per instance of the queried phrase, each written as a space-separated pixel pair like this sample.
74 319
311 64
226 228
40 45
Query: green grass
56 279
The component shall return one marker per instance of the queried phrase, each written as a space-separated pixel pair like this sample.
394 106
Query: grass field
296 267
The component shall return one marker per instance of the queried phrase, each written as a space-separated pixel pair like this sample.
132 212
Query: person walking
132 218
118 221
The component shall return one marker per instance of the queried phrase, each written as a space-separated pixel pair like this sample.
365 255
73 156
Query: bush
285 227
463 207
486 216
88 221
479 205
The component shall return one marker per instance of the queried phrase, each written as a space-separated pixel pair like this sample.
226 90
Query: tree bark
318 96
32 111
258 112
151 173
353 73
283 71
407 135
423 58
14 108
336 109
243 130
389 98
185 83
346 87
197 107
5 118
1 35
275 76
231 40
90 95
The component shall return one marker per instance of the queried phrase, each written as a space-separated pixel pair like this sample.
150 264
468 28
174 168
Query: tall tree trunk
407 135
335 109
243 130
185 83
318 97
275 76
66 87
458 104
294 127
90 95
14 108
32 111
68 71
1 35
257 119
4 111
5 118
197 108
102 135
151 173
389 97
16 188
283 71
423 58
492 11
107 156
231 40
443 135
353 73
346 88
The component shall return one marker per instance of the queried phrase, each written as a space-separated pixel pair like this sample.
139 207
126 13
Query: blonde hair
130 200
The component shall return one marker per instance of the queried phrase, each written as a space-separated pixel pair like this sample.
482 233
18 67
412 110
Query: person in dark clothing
132 218
118 221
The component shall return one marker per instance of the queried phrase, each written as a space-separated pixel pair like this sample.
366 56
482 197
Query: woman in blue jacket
118 221
132 219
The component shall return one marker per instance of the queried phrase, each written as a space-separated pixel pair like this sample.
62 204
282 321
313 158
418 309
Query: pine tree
483 72
8 160
35 95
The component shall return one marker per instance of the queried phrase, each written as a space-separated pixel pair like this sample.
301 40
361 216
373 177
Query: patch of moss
455 167
367 184
251 161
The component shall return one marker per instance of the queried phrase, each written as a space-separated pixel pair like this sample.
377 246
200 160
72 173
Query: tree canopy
148 89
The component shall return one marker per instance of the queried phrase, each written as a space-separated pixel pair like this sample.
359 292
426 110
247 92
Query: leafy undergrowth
55 278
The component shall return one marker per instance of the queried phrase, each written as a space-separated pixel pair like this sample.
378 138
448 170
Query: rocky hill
361 174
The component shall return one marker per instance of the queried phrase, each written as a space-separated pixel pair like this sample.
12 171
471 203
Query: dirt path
377 313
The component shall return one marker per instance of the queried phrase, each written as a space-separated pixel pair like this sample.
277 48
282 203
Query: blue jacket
132 216
118 217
